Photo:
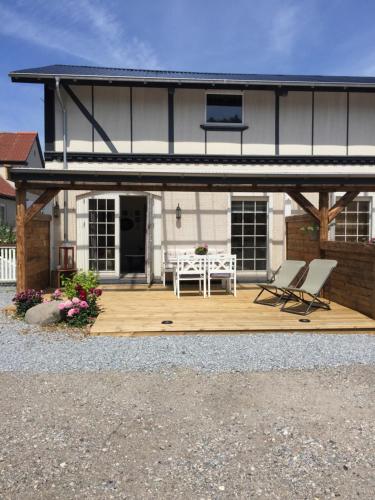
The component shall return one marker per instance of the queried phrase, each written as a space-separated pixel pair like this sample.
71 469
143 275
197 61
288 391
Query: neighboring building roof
6 190
39 75
15 147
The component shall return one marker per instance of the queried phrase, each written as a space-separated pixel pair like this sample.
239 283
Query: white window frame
370 200
223 92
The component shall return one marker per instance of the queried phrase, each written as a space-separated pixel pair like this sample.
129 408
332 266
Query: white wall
296 123
259 115
112 111
150 120
330 117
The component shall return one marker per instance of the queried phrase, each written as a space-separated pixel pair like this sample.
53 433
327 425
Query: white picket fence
7 264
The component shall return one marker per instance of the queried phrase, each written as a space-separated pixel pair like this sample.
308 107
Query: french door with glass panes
249 236
103 235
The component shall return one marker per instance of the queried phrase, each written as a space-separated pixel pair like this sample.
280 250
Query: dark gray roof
126 74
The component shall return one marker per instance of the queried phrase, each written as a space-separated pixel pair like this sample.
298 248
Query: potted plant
311 230
201 249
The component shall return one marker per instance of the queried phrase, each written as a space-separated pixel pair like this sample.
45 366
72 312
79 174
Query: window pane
236 242
236 206
236 218
110 204
248 265
261 206
92 204
237 229
261 265
224 108
249 206
363 206
101 205
249 218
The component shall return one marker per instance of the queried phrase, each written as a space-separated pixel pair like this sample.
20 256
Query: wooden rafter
40 203
340 204
305 204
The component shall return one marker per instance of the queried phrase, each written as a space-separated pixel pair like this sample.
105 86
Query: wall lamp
56 210
178 212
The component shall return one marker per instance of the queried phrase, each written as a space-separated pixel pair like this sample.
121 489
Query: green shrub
81 280
7 235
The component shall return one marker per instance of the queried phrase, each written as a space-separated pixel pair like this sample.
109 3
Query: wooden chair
190 268
222 267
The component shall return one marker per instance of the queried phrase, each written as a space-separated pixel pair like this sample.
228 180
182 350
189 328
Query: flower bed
77 300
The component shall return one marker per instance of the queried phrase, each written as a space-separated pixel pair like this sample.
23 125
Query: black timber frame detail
49 118
171 121
277 122
90 118
211 159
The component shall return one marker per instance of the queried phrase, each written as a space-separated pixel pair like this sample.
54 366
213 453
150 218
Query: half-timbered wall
139 120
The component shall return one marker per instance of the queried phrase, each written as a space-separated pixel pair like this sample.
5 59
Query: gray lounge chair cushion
317 275
286 274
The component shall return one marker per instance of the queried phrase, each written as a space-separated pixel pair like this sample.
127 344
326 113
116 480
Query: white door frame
82 214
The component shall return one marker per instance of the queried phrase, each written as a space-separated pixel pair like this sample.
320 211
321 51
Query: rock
43 314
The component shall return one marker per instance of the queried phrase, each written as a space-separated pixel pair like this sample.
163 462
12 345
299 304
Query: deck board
136 310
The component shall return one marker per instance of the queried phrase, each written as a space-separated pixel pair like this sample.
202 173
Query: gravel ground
28 349
188 435
278 416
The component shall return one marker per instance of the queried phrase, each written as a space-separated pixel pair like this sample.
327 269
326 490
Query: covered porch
129 310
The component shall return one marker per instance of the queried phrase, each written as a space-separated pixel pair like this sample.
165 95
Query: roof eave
41 77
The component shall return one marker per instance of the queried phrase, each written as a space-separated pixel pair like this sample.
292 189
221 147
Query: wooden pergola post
323 215
21 237
24 216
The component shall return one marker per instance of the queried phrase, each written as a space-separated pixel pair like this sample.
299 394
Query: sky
331 37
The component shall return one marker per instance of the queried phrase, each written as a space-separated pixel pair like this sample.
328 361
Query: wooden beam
324 215
341 204
305 204
40 203
21 238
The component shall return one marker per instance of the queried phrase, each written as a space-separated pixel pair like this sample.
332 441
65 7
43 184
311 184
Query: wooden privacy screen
37 252
352 283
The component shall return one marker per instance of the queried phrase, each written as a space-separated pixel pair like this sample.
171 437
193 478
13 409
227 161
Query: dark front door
133 215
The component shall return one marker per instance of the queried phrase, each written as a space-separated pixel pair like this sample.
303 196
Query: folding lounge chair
308 293
283 278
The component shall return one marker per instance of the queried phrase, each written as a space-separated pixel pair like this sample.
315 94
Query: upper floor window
224 108
353 223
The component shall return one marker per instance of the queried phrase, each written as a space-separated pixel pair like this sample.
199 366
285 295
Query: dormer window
224 109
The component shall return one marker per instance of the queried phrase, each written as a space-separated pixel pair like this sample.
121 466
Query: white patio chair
222 267
169 260
190 268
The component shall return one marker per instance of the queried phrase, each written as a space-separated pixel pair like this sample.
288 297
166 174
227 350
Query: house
16 148
169 160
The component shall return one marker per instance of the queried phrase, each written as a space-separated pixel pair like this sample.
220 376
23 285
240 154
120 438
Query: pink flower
83 304
57 293
61 306
73 311
76 301
68 304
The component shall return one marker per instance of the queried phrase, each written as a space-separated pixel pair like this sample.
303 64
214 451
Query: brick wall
352 283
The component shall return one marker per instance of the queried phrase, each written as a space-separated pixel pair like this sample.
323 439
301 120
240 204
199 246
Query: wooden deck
138 310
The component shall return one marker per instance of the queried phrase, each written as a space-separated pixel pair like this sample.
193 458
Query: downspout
65 160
